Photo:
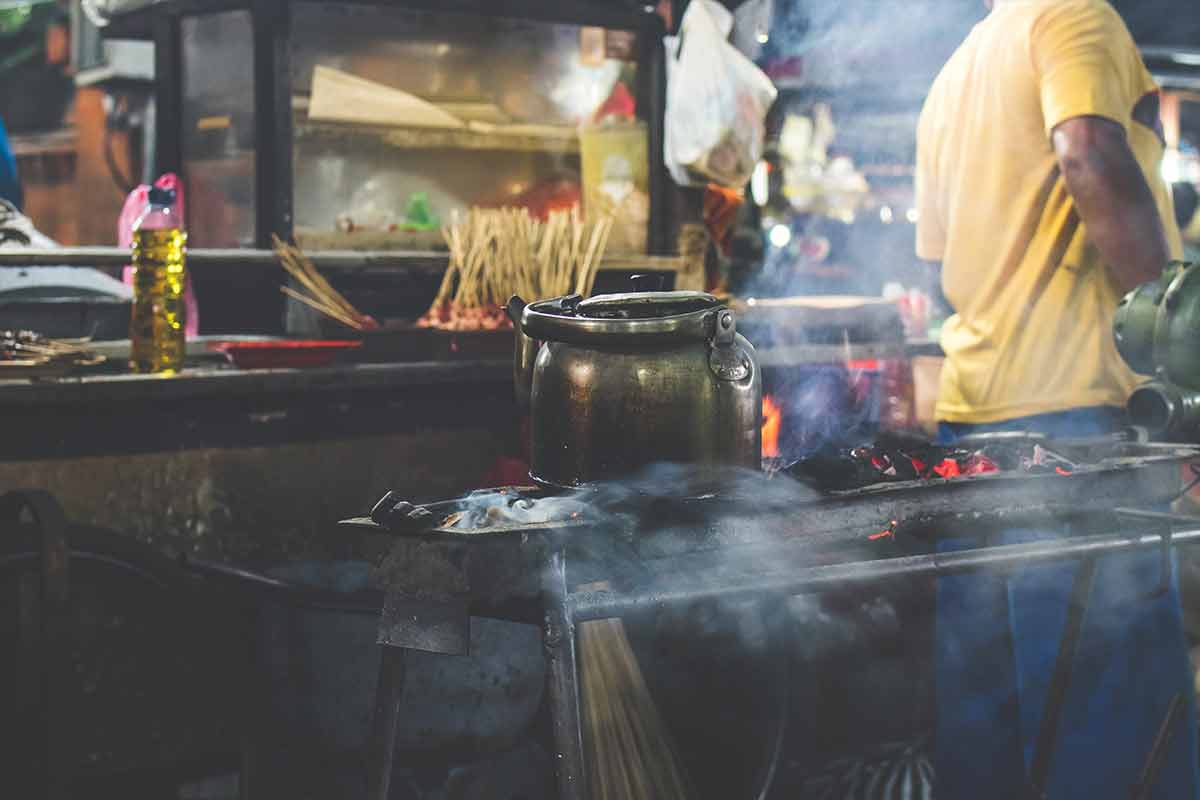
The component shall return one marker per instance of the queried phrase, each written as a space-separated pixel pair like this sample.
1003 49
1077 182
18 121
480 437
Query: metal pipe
385 720
1045 746
562 681
1154 761
607 604
421 261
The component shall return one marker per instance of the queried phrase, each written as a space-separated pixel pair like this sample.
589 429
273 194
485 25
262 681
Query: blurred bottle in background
156 327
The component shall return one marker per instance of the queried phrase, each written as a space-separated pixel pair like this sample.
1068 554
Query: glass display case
216 132
368 125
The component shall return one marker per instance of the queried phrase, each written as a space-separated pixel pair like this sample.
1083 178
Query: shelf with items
477 135
356 110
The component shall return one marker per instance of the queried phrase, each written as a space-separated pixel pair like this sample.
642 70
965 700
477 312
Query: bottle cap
162 197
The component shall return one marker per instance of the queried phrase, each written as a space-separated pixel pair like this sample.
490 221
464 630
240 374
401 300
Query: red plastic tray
288 353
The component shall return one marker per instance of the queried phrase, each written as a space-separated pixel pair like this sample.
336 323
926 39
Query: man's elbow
1087 146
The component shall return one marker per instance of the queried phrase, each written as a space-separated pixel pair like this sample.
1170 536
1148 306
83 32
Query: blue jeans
997 638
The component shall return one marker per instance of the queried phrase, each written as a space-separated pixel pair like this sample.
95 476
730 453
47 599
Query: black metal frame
272 79
561 608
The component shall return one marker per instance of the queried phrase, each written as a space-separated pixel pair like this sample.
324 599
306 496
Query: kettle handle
514 308
647 282
525 350
727 360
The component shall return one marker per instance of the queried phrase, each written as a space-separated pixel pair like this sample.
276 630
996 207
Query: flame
772 416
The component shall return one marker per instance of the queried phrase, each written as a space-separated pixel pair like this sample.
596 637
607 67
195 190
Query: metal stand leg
562 678
1154 760
384 721
45 637
1060 681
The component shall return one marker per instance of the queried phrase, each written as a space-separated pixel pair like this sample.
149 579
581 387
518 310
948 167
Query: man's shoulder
949 79
1068 7
1081 13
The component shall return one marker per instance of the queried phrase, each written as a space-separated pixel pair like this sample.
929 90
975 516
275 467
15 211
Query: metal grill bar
606 604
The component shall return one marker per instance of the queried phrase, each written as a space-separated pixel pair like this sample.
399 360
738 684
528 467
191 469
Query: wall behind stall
1164 23
69 191
46 165
99 197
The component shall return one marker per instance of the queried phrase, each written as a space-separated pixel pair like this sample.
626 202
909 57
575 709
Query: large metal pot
617 382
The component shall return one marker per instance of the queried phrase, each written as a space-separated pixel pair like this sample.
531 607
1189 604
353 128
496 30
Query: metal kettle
1157 332
617 382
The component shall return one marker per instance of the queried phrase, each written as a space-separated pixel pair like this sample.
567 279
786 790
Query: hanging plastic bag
717 102
101 12
135 203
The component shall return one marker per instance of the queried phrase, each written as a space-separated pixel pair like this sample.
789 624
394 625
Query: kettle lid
610 318
644 305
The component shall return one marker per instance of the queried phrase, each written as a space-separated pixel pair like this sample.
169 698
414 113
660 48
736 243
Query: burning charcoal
947 468
979 464
894 458
833 471
905 467
1006 456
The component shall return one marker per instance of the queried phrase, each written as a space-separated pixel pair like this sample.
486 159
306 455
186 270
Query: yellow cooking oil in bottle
156 326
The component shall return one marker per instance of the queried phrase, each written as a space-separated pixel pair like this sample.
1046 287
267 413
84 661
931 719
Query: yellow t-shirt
1034 304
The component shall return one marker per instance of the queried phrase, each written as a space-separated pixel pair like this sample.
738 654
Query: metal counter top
210 381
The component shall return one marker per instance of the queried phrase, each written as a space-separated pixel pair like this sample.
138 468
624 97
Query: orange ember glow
772 416
890 530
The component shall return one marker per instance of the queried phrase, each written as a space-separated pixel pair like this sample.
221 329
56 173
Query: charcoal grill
770 539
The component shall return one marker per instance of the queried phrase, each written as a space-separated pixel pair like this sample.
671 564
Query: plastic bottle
156 326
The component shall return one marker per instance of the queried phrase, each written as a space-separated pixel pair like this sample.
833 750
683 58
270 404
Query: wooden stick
326 310
581 282
318 305
300 267
593 266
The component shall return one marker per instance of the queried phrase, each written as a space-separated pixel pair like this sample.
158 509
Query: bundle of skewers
26 353
318 294
496 253
630 750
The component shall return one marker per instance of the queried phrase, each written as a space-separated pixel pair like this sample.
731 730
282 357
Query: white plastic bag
101 12
717 102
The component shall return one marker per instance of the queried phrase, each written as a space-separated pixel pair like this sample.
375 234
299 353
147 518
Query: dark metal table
436 579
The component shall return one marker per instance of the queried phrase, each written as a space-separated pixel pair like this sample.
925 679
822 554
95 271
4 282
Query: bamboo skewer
591 261
25 354
628 743
315 280
594 261
495 253
325 299
324 309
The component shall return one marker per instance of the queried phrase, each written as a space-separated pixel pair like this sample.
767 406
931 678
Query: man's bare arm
1113 198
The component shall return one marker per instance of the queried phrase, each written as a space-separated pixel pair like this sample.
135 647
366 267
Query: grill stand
561 609
1060 680
385 718
562 680
439 624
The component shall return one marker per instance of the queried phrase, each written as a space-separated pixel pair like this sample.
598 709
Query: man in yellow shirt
1038 190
